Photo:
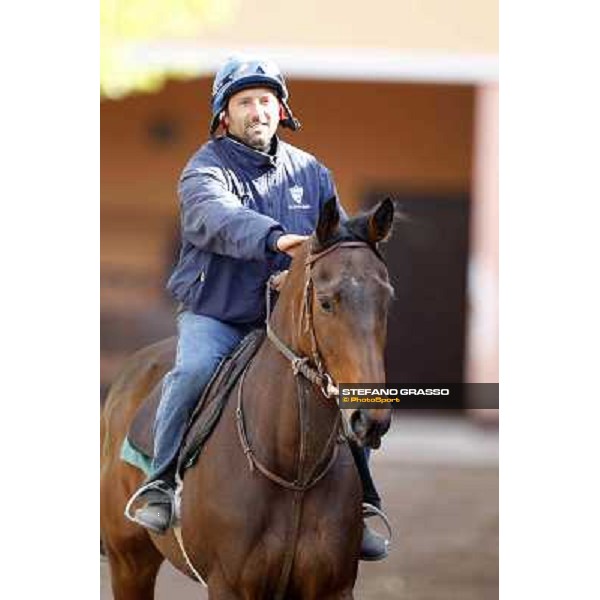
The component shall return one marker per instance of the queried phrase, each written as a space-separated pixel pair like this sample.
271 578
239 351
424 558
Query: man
247 201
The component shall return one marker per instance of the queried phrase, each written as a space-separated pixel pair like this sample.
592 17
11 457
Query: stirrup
155 492
369 510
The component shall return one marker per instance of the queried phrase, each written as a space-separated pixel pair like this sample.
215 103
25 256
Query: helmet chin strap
287 117
222 122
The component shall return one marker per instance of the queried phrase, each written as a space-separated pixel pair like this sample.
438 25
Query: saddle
208 410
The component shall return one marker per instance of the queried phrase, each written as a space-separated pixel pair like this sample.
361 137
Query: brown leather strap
312 258
290 551
296 486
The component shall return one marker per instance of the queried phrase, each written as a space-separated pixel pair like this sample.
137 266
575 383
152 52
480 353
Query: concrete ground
438 477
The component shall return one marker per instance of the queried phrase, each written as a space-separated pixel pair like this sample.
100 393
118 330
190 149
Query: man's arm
214 219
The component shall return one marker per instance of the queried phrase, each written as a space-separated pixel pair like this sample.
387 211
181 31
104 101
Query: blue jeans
203 342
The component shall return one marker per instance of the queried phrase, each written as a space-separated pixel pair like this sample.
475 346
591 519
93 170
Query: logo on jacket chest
297 195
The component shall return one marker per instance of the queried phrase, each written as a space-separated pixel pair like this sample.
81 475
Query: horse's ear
329 220
379 223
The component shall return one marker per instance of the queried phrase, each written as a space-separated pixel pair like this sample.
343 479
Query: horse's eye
326 304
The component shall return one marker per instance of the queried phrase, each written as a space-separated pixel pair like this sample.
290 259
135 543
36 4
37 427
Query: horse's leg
134 565
222 593
219 589
134 560
344 595
318 594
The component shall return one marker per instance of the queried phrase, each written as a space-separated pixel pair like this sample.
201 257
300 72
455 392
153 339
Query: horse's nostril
358 424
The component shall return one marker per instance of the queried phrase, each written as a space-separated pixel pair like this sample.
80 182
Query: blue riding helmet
240 73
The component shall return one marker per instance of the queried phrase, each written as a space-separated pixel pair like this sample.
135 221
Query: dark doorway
427 261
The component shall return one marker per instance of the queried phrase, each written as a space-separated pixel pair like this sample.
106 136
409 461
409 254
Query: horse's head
345 304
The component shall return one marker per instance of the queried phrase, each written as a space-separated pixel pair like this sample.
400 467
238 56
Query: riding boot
370 495
373 546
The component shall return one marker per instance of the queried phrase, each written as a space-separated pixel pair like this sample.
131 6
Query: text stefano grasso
395 391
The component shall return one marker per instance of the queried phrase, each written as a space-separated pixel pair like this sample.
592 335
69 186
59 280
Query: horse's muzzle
369 431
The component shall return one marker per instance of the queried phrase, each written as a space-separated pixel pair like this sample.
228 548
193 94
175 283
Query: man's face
252 116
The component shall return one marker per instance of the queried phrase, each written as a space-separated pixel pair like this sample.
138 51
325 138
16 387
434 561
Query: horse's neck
287 319
272 414
271 394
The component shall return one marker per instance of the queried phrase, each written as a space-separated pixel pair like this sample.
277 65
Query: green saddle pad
134 457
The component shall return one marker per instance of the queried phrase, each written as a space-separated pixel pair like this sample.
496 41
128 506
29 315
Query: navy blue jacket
235 203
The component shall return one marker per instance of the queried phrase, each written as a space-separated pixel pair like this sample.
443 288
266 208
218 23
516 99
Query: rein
302 482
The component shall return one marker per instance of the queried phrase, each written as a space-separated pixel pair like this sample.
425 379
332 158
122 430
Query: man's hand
278 280
290 242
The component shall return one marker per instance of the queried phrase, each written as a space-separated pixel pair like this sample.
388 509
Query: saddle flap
141 430
208 408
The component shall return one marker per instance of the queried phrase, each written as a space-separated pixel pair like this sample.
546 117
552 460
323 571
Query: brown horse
292 527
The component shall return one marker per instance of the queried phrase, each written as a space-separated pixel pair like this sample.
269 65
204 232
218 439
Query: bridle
301 364
318 375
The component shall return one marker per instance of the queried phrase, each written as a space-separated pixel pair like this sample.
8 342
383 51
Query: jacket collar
249 157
